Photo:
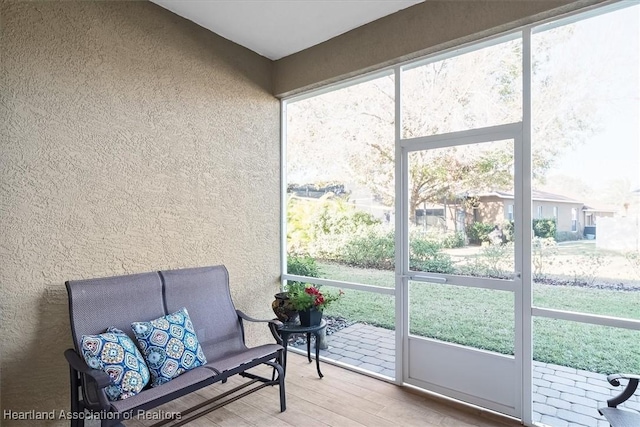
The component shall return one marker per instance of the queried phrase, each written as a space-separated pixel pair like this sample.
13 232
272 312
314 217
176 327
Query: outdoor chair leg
283 399
75 399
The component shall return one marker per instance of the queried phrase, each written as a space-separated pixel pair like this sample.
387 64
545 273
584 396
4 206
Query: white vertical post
400 223
283 191
526 328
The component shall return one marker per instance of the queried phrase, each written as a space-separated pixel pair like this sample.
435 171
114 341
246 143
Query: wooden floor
341 398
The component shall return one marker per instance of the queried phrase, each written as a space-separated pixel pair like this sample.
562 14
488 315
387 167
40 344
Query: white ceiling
278 28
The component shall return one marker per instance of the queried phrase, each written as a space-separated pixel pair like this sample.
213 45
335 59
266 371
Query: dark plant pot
311 317
283 308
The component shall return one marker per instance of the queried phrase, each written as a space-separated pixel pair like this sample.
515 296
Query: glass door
460 266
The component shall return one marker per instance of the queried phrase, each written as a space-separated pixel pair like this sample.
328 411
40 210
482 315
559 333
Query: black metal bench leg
112 423
283 397
75 399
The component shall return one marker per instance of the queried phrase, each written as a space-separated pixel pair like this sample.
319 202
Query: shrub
453 240
426 256
543 253
544 227
584 269
302 266
507 230
633 258
321 227
497 260
373 250
566 236
377 250
478 232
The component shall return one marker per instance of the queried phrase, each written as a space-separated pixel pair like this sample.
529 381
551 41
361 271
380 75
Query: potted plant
282 306
310 303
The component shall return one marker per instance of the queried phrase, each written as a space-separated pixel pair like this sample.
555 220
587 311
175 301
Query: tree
351 130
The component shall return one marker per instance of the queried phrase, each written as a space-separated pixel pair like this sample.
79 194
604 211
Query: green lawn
484 318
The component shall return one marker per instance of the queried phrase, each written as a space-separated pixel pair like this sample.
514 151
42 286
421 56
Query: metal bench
96 304
619 417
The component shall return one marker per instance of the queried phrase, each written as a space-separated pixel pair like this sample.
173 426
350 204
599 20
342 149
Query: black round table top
297 328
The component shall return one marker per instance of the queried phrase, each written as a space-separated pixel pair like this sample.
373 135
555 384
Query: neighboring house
571 215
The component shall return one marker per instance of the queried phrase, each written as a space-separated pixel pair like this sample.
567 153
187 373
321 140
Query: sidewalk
562 396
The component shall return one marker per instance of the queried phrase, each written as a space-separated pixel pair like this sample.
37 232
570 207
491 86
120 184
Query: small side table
282 333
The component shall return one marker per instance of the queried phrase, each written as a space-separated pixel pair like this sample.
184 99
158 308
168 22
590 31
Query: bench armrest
97 379
101 378
273 323
629 390
243 316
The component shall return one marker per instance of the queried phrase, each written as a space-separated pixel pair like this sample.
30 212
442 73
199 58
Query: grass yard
485 318
577 260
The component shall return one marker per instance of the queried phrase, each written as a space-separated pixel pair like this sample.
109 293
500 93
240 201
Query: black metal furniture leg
285 342
285 330
318 354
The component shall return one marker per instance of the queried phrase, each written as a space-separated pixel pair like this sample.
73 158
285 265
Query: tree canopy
348 135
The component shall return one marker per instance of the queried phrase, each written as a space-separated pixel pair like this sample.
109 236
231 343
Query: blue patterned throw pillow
169 345
114 353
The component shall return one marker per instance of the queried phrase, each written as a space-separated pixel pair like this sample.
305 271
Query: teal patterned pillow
115 353
169 345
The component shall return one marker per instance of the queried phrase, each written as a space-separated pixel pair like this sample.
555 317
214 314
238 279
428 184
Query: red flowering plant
310 296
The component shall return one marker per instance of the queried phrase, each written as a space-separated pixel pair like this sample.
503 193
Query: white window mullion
283 192
524 327
401 257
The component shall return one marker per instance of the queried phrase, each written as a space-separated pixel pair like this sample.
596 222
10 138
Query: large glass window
340 222
468 182
473 317
463 207
340 183
585 87
470 90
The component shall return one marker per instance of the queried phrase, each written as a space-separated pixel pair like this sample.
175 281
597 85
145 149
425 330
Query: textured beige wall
410 33
131 140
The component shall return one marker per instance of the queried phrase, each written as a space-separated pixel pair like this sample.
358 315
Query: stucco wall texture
132 140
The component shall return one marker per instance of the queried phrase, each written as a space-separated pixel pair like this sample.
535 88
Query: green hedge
373 250
302 266
427 256
478 232
544 227
377 250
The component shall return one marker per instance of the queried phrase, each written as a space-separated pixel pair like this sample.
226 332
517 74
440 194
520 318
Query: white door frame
498 384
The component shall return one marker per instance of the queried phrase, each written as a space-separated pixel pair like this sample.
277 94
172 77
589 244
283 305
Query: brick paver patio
562 396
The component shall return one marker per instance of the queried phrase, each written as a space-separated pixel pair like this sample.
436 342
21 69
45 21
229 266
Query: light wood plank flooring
342 398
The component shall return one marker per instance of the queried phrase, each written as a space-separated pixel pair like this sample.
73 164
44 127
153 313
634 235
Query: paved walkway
562 396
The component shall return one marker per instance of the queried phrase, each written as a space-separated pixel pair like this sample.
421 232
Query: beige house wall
132 140
564 219
495 210
425 28
491 210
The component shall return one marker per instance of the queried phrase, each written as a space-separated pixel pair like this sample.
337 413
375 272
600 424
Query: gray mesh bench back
96 304
205 293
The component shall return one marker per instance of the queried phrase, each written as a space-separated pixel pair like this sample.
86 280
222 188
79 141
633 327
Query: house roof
540 196
598 209
543 196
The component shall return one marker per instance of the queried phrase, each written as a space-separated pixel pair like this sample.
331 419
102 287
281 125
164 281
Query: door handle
427 278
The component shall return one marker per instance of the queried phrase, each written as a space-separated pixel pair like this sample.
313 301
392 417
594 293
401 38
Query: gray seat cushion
618 417
189 378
